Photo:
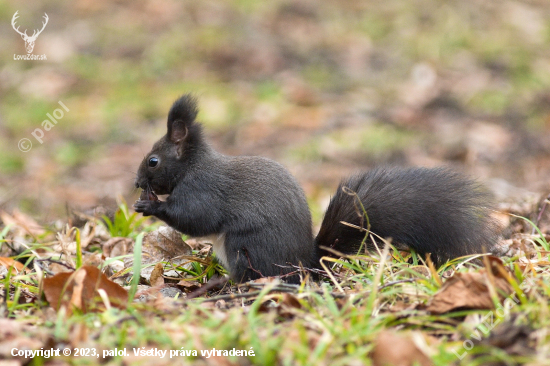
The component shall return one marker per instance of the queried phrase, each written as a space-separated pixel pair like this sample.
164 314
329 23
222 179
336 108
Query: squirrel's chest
218 244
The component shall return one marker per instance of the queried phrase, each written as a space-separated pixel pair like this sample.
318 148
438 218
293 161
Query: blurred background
324 87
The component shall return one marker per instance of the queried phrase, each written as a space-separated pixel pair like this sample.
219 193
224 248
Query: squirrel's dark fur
435 211
258 216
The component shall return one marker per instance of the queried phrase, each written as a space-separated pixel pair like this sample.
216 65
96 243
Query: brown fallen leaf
76 298
10 262
397 349
472 290
156 278
56 268
188 286
291 301
513 338
92 259
288 306
25 224
117 246
267 280
79 289
164 244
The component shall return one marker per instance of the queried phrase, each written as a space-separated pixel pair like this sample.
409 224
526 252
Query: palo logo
29 40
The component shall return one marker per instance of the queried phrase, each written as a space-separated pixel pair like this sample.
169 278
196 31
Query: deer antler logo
29 41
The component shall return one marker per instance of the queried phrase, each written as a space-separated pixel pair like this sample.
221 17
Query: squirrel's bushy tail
435 211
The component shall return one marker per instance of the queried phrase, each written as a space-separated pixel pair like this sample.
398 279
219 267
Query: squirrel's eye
153 162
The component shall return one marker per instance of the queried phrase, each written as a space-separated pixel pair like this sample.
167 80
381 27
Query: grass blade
136 268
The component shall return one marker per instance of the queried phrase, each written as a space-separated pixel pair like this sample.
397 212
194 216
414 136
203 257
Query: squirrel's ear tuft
181 116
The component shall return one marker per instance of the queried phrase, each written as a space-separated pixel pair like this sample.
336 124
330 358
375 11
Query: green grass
327 327
375 141
129 73
123 223
12 163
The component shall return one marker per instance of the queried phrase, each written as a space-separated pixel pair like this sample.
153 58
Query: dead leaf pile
164 244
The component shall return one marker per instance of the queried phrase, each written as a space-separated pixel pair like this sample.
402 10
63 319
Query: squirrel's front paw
146 207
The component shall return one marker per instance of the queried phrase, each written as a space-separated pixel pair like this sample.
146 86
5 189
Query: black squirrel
259 221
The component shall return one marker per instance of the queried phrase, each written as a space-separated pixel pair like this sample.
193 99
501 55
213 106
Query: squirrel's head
174 152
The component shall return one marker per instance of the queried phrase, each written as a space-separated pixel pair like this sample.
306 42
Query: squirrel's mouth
148 195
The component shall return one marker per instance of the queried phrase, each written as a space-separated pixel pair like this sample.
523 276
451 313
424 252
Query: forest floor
325 88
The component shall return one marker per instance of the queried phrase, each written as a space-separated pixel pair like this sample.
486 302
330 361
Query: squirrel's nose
136 183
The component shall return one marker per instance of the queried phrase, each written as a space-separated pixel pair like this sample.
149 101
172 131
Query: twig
398 282
312 270
250 263
209 285
281 287
286 286
56 262
4 306
125 319
541 211
232 296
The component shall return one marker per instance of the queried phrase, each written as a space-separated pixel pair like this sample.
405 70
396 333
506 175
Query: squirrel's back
435 211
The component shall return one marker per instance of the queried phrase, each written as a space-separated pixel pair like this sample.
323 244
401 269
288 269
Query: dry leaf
117 246
66 241
471 290
18 335
266 280
164 244
156 278
395 349
92 259
512 338
188 286
10 262
287 307
291 301
20 221
56 268
88 233
79 289
76 298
